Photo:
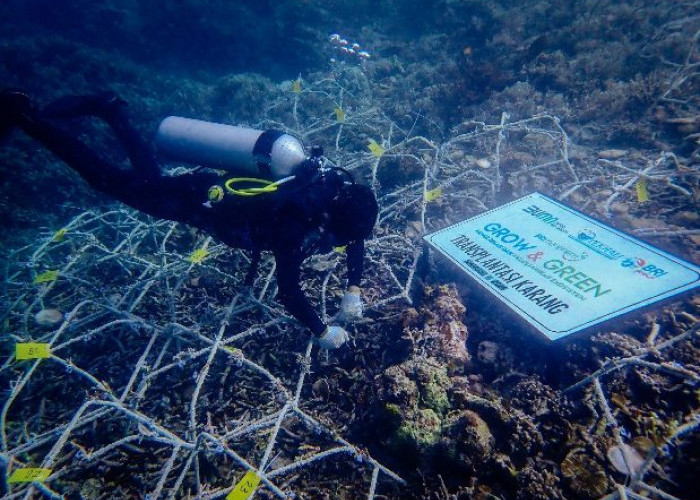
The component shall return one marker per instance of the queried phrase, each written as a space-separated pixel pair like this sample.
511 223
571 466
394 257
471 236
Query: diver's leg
174 198
141 153
112 109
97 172
127 186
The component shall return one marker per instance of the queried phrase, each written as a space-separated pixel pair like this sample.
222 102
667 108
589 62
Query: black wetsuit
290 222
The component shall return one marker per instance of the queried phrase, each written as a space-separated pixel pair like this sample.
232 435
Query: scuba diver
301 208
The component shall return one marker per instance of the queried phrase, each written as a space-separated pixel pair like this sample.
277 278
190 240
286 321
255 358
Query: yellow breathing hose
263 185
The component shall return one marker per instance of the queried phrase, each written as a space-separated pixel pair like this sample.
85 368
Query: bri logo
640 266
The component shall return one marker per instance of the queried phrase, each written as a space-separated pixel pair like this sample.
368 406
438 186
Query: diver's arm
355 260
290 294
351 304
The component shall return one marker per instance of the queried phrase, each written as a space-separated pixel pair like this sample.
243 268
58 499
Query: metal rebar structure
167 375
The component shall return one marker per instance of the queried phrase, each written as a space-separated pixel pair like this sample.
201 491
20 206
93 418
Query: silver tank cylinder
227 147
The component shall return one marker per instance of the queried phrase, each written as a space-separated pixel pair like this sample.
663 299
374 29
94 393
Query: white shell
631 456
48 317
483 163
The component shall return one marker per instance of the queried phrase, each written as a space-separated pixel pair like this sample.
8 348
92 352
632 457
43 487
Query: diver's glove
350 306
333 337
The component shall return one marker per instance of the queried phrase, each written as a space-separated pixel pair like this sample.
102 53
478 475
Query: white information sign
559 269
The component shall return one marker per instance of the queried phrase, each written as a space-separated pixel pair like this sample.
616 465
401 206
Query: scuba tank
261 161
270 154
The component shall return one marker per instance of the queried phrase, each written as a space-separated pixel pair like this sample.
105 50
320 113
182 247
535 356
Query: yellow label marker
46 277
31 350
60 234
376 149
340 249
230 349
433 194
245 487
642 193
198 255
296 86
339 115
28 475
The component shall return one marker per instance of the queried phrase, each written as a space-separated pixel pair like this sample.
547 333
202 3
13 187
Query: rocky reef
435 406
490 427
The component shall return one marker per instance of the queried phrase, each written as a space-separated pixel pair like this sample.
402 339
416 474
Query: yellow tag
339 115
296 86
60 234
31 350
230 349
245 487
433 194
642 193
376 149
340 249
29 475
198 255
46 277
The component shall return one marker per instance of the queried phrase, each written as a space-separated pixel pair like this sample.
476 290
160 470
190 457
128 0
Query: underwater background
167 379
